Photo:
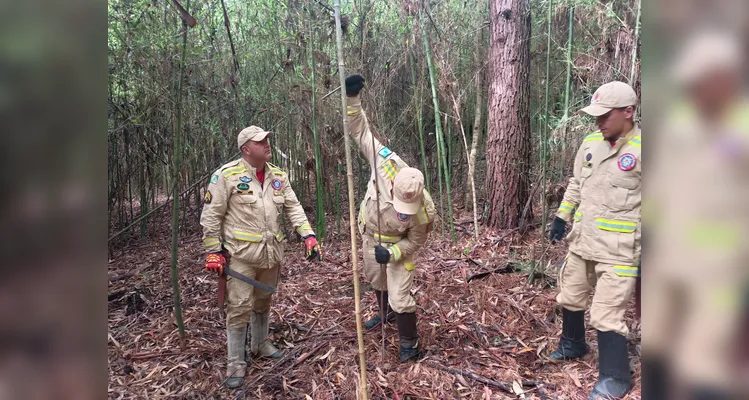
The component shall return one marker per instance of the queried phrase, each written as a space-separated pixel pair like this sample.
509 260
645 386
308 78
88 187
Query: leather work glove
354 84
215 262
558 226
382 255
313 248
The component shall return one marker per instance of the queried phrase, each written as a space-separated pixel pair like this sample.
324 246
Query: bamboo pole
442 167
567 85
319 189
419 120
634 48
352 219
175 189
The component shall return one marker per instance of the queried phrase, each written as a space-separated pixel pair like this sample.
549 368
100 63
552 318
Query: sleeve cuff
212 244
565 211
305 230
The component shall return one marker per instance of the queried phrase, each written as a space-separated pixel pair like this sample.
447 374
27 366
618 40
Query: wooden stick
507 388
351 200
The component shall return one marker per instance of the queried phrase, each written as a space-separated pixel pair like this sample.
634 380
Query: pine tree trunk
508 137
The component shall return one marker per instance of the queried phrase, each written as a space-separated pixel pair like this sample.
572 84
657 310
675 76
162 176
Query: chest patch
276 184
402 217
243 186
627 162
245 179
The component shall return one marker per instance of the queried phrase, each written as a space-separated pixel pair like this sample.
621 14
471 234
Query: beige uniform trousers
397 278
614 286
242 298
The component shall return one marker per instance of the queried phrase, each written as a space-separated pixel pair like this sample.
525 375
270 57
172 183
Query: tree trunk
508 138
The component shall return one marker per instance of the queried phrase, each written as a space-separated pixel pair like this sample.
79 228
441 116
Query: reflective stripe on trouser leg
399 282
610 300
573 283
372 270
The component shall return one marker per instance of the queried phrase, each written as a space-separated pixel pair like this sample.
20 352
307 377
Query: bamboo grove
185 77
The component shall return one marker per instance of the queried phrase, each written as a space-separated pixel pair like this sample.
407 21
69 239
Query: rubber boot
259 343
409 337
572 343
614 378
236 339
375 321
657 384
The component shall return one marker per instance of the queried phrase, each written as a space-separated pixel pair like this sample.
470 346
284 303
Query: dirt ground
497 327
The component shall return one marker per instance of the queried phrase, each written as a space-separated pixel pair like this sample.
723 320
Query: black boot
614 378
656 382
572 343
374 321
409 337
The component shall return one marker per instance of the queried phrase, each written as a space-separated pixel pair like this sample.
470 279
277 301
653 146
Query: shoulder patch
385 152
214 179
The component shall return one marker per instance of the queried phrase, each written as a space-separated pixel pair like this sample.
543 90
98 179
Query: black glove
558 226
382 255
354 84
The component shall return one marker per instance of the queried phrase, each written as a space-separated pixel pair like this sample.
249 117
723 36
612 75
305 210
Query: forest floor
497 326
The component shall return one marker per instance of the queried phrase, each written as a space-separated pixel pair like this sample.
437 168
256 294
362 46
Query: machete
246 279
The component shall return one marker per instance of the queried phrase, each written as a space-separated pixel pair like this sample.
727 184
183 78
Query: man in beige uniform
603 198
697 262
393 236
241 219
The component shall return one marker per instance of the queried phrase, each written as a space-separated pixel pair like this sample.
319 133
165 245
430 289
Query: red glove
215 262
313 248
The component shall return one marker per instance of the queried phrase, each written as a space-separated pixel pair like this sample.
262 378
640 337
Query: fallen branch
507 388
115 278
504 386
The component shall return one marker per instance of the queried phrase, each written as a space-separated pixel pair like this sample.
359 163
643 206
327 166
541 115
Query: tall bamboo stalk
177 161
438 130
568 60
319 190
419 121
352 219
634 47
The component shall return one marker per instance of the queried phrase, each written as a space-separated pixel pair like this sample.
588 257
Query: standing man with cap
603 198
241 226
394 229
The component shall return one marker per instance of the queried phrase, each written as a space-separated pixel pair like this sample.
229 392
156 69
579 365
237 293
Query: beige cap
408 191
609 96
254 133
705 53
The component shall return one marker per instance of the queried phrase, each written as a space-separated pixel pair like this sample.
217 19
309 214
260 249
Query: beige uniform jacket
245 217
402 234
603 198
